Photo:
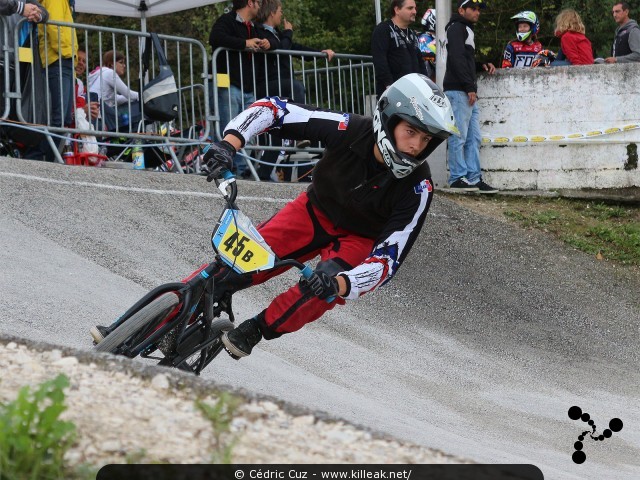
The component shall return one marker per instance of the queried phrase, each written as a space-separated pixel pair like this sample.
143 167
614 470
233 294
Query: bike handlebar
229 182
305 270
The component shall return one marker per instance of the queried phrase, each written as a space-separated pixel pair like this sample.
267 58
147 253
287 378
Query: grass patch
221 415
607 231
33 439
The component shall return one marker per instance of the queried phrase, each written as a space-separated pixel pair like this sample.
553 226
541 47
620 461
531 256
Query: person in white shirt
121 107
106 82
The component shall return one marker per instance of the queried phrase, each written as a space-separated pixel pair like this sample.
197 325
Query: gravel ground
112 400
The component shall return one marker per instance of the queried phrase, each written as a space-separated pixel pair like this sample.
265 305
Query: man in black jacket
394 46
235 30
278 71
461 88
279 79
31 10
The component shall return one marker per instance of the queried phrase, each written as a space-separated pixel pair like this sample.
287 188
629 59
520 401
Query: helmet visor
431 130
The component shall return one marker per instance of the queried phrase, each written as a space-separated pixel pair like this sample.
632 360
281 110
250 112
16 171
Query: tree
346 27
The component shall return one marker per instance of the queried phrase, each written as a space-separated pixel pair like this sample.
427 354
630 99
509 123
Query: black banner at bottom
320 472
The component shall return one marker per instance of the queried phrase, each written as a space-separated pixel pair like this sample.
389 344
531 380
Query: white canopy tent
141 9
144 9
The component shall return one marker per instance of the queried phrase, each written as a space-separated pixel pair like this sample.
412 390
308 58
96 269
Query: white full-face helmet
417 100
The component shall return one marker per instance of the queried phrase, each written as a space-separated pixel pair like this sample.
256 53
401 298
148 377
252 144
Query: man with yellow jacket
58 48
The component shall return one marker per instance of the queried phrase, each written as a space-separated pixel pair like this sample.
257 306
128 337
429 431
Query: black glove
321 284
219 157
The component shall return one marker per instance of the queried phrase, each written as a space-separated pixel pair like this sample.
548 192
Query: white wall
560 101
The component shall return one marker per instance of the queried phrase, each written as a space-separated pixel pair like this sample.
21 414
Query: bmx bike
184 321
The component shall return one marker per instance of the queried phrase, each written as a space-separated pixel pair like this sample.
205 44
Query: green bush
221 415
33 440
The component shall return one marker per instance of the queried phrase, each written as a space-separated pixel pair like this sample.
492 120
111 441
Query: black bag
160 95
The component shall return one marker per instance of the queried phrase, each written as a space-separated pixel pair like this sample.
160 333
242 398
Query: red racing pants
301 231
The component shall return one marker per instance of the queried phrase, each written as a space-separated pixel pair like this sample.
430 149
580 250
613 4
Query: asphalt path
479 346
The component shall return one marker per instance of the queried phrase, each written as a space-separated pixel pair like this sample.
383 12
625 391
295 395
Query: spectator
105 80
428 42
235 30
521 52
626 45
461 88
29 9
394 46
575 47
279 79
58 48
31 72
91 108
121 104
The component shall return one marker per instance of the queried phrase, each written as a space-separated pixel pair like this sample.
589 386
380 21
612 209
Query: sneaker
485 187
240 341
99 332
303 143
463 185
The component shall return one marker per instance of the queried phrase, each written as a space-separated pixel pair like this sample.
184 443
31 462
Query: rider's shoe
240 341
99 332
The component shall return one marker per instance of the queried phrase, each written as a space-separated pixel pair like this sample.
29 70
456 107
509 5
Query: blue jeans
464 151
560 63
61 101
232 101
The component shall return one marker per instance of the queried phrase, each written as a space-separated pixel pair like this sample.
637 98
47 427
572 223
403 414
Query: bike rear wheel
156 311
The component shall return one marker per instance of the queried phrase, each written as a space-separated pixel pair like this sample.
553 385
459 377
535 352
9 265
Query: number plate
240 245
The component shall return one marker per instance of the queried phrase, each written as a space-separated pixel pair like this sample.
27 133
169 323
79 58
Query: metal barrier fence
120 108
346 84
5 61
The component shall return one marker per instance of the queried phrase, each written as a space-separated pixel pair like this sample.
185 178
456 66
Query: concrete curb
621 196
180 380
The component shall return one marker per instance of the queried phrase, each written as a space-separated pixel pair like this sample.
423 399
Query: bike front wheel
156 311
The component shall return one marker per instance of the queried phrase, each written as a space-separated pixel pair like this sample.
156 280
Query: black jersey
349 185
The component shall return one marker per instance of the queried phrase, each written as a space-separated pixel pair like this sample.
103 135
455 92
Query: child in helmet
521 53
427 42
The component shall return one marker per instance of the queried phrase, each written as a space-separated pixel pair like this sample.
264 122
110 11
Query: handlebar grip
227 174
306 272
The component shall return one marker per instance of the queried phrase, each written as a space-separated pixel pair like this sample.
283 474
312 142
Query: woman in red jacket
575 47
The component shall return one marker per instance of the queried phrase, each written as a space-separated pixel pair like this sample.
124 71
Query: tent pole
142 8
443 10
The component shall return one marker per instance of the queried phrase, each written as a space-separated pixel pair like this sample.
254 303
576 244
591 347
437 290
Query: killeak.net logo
575 413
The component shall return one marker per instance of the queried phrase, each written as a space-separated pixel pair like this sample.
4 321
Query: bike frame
187 319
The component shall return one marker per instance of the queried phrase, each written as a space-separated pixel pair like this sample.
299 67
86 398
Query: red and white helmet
429 20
